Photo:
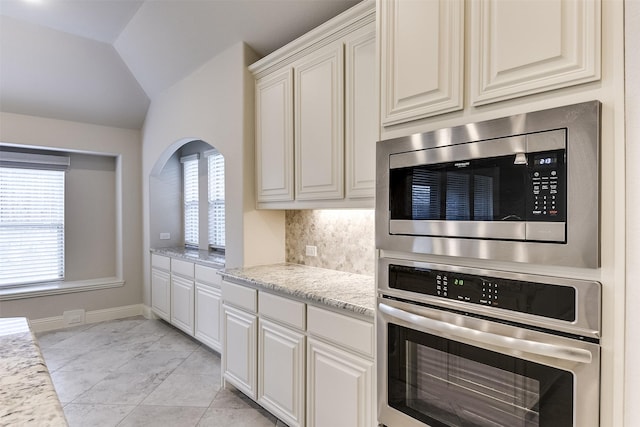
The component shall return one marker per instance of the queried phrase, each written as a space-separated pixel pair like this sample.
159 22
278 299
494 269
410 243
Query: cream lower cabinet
240 361
339 387
239 348
307 365
340 370
208 307
161 286
188 296
281 372
182 305
161 294
281 357
182 295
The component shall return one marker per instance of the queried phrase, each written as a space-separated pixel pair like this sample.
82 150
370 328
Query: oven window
445 383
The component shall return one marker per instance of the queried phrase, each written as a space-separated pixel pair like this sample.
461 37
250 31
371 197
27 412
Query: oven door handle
515 344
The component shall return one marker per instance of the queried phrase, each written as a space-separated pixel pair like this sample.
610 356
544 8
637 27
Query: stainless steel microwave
523 188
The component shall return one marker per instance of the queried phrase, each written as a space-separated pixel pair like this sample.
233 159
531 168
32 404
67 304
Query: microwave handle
534 347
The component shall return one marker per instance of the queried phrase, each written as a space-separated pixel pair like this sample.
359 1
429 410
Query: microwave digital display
545 160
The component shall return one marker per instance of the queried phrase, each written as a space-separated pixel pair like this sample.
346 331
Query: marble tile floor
140 372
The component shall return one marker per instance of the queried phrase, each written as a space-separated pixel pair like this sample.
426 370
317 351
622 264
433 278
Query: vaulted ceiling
101 61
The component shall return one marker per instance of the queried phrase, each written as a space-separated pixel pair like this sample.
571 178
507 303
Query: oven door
438 368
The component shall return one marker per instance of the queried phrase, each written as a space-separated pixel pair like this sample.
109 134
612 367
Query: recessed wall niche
166 213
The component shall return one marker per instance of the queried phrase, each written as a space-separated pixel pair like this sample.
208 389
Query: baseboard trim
58 322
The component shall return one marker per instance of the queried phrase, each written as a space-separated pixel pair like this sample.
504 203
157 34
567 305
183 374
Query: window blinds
31 225
190 176
216 200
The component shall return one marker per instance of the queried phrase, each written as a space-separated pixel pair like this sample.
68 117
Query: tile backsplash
344 238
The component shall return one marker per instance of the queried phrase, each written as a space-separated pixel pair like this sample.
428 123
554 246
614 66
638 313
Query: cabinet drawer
183 268
346 331
161 262
207 275
282 309
240 296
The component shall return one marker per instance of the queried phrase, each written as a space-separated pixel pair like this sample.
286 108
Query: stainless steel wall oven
523 188
468 347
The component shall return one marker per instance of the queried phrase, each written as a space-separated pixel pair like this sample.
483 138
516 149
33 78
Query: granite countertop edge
27 394
362 287
197 256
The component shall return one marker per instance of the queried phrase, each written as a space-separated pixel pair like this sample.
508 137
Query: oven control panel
543 299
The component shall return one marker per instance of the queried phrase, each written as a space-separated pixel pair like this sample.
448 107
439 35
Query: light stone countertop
194 255
337 289
27 395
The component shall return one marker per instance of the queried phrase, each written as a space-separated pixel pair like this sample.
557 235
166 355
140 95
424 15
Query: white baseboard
58 322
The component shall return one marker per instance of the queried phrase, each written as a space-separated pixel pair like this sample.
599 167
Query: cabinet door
274 137
239 350
319 124
161 294
529 46
182 303
207 315
422 53
281 372
361 114
339 387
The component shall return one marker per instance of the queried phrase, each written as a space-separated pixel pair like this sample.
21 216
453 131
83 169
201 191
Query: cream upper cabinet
319 139
361 113
529 46
274 136
317 117
421 54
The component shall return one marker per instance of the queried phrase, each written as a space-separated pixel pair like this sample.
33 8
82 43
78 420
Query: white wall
632 67
215 105
28 131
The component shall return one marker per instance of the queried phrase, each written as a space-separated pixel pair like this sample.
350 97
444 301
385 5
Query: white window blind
216 200
190 194
31 225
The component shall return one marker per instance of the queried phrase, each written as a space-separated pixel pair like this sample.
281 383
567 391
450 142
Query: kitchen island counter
335 289
27 395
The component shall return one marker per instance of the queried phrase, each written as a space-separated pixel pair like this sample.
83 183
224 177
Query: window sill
57 288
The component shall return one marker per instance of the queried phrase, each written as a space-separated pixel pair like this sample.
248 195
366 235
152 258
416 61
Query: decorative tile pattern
337 289
344 238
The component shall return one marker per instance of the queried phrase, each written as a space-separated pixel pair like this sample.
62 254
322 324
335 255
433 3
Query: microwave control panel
547 194
543 299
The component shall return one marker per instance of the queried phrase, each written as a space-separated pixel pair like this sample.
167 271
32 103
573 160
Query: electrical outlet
165 236
311 250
